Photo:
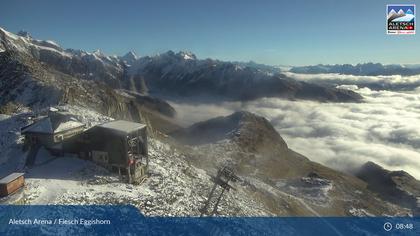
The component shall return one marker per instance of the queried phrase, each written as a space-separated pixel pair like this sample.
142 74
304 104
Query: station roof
49 125
122 126
10 177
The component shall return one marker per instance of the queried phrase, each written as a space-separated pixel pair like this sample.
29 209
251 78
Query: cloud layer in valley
384 129
392 80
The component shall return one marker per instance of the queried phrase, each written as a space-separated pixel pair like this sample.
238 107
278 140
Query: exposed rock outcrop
398 187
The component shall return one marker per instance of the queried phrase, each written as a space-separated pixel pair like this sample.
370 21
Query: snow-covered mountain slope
29 82
174 187
78 63
179 185
283 183
261 157
129 58
172 73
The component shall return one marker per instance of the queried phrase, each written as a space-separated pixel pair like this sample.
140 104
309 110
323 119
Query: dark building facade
118 145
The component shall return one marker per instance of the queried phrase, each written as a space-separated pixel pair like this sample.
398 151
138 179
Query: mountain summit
129 58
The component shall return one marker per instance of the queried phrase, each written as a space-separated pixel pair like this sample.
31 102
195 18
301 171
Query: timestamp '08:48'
404 226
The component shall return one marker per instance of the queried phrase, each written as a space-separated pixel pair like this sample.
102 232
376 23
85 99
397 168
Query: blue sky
267 31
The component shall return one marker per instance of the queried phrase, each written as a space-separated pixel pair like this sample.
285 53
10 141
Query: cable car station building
120 146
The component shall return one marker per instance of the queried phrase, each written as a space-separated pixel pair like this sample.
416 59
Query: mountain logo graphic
401 19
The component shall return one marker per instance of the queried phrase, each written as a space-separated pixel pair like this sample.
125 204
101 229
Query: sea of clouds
385 128
332 78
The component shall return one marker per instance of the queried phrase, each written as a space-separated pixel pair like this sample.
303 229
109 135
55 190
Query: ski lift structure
221 184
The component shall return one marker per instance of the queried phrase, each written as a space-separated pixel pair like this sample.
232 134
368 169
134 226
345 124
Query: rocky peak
371 169
129 57
256 134
179 56
251 132
24 34
186 55
398 187
98 53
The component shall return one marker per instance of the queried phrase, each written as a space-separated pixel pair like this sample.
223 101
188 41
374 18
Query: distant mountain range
171 74
181 74
371 69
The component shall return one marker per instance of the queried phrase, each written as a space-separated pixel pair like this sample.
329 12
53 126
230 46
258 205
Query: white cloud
356 79
384 129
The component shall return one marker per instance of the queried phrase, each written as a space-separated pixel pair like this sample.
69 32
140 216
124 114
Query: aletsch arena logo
401 18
